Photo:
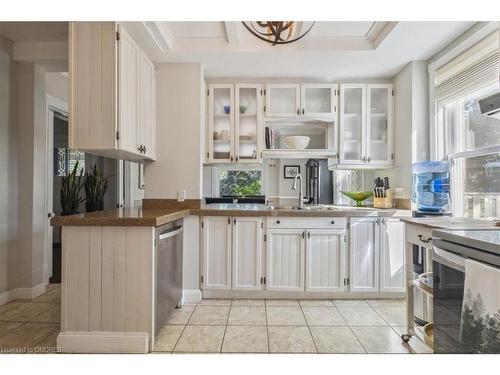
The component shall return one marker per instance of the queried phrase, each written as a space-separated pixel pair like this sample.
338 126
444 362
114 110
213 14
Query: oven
448 260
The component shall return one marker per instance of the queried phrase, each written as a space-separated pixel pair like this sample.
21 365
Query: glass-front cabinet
352 123
234 115
379 124
283 100
247 125
317 100
366 125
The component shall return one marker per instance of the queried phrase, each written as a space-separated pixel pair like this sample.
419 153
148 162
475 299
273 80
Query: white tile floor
286 326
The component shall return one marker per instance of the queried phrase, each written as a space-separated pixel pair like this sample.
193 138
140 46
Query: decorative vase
94 206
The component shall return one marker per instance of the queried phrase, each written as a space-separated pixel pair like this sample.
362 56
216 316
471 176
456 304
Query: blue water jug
431 186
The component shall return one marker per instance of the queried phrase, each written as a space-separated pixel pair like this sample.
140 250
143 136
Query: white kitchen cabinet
216 273
364 255
234 123
285 260
325 260
112 110
379 125
366 131
283 100
392 242
307 100
318 99
147 106
247 253
232 253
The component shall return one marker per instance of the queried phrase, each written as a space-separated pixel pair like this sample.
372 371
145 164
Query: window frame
219 168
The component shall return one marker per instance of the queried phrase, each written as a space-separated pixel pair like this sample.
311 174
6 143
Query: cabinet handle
421 238
308 234
231 158
139 148
145 149
364 159
368 159
234 221
303 234
303 111
298 111
236 159
229 220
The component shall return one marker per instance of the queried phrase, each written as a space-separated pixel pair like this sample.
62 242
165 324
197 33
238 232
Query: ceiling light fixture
277 32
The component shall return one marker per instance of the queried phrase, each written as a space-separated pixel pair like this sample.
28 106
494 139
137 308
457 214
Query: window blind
470 71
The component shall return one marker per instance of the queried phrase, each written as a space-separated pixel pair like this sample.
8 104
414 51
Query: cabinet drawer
309 223
419 235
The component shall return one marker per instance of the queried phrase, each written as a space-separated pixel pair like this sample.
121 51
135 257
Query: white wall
179 147
8 170
57 85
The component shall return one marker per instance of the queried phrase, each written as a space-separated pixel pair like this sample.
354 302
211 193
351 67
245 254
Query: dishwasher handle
170 233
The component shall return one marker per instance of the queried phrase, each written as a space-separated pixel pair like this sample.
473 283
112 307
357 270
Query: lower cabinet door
216 253
364 255
325 261
392 264
247 253
285 259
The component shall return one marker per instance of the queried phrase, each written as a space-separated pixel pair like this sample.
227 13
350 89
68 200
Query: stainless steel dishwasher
168 270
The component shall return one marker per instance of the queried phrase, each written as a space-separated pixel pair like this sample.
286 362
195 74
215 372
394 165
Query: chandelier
277 32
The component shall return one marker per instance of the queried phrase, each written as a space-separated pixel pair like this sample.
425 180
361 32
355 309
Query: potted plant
95 187
70 192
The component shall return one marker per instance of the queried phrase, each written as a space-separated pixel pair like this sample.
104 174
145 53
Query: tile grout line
225 328
267 328
308 328
352 331
183 329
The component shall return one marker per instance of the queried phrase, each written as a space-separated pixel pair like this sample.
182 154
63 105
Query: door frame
52 104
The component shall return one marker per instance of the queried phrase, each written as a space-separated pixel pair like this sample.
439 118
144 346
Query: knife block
387 202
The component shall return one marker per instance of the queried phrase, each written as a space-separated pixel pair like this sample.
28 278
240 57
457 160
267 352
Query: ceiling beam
233 33
160 34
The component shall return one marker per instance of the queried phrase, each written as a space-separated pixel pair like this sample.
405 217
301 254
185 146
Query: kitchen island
108 260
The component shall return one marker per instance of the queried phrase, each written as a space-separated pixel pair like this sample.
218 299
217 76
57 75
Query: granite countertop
145 217
159 216
445 222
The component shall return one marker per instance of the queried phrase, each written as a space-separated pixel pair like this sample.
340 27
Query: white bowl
296 142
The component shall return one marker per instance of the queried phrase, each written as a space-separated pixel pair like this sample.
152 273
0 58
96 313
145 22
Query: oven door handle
446 257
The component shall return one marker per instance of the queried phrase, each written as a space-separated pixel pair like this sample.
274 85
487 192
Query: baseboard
103 342
191 296
22 293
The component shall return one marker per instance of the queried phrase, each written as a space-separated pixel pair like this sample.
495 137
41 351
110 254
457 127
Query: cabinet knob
277 221
298 111
144 149
368 159
303 111
332 222
231 158
364 159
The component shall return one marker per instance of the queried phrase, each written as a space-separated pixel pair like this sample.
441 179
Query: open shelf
299 154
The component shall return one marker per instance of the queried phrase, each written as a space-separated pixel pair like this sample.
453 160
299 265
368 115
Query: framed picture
291 171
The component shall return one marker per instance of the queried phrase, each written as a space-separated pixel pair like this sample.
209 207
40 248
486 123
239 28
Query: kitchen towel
480 321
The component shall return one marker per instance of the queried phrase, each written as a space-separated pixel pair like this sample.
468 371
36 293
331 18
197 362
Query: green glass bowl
358 196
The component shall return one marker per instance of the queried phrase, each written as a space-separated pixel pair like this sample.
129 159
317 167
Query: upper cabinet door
364 255
282 100
248 105
147 107
318 100
221 123
352 127
392 265
128 90
216 253
247 253
325 261
285 259
379 137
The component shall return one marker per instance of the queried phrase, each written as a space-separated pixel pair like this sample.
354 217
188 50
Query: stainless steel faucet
294 187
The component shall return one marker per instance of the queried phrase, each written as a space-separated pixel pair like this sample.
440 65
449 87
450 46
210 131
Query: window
470 140
66 160
244 183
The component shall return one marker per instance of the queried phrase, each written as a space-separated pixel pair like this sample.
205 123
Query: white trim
191 296
22 293
51 104
103 342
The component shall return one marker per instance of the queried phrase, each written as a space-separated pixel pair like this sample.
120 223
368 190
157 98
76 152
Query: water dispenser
431 186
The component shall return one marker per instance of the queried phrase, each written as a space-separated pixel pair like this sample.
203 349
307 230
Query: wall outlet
181 195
